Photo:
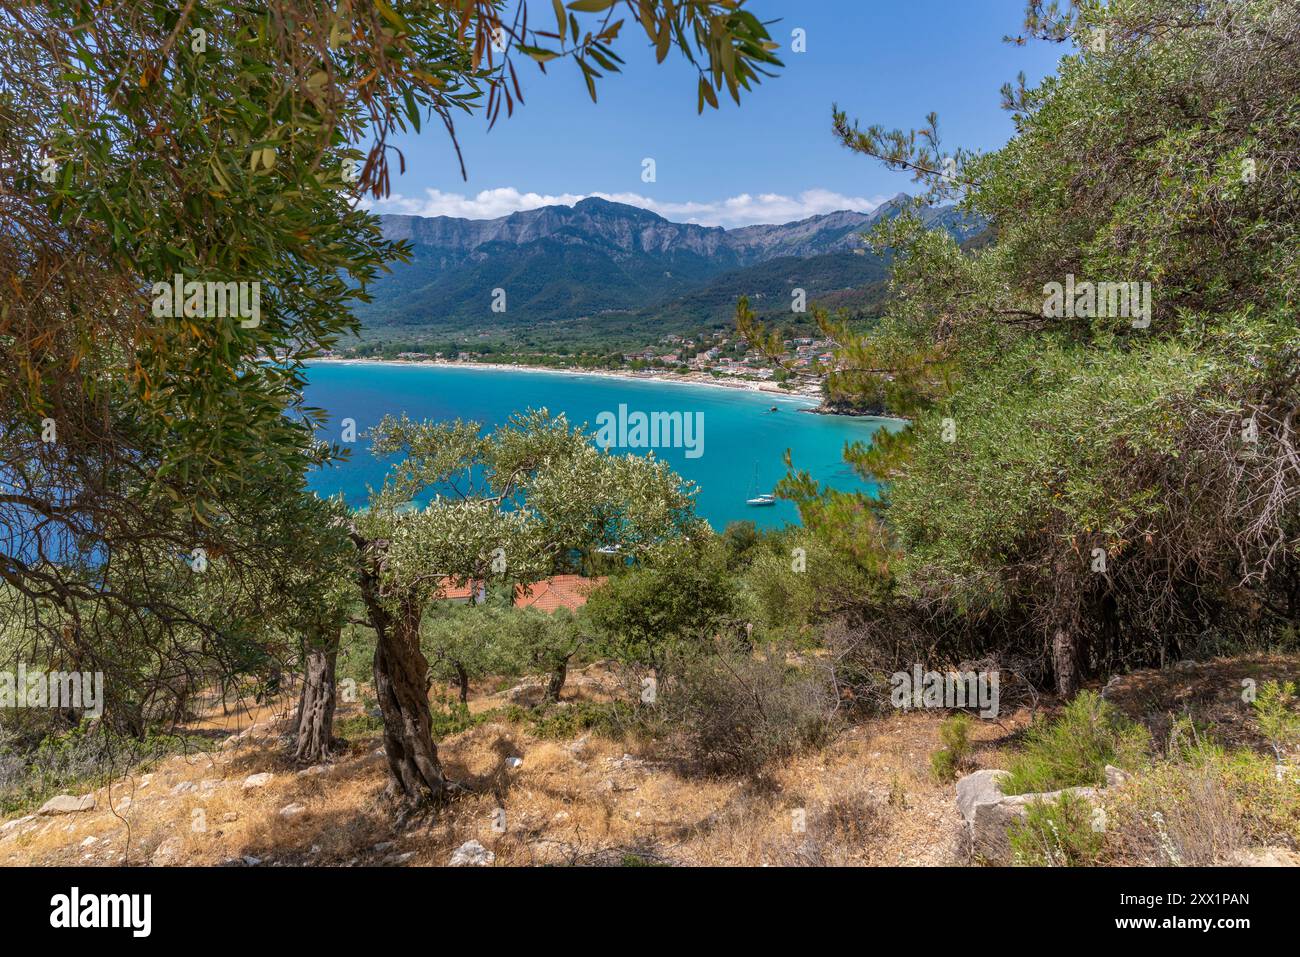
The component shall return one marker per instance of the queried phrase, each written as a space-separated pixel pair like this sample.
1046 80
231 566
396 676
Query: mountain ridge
598 257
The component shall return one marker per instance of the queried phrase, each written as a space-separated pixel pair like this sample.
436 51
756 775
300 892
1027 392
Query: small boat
760 500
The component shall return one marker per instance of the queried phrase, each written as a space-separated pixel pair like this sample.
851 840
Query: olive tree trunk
315 729
401 684
555 682
462 678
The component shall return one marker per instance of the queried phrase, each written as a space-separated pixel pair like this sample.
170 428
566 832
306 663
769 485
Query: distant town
719 356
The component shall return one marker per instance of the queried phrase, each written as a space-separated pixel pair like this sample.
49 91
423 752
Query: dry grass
865 799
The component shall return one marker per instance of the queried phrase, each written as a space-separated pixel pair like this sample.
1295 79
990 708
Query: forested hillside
617 267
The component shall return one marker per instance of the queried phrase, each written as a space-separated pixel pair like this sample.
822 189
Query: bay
739 456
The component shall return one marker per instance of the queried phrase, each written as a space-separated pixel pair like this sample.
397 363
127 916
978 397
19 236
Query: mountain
603 262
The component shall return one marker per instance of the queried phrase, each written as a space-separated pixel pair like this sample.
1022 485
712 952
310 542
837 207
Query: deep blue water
742 447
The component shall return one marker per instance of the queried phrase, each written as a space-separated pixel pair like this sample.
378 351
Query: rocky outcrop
67 804
472 854
988 814
1264 857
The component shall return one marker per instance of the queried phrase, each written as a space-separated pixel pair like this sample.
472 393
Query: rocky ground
868 799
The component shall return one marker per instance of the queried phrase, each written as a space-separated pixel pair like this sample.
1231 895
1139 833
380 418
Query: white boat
759 500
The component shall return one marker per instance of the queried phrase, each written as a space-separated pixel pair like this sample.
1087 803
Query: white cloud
742 210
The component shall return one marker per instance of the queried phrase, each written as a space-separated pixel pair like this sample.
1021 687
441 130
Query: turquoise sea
740 455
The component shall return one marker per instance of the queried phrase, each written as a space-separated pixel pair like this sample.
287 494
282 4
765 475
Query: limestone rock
258 780
67 804
981 787
1264 857
168 852
989 814
1114 776
472 854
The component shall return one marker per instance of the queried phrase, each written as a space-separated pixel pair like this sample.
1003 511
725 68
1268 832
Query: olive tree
461 507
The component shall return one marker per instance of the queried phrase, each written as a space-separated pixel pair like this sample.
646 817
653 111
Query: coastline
808 400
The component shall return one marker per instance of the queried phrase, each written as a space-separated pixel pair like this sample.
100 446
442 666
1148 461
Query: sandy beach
692 379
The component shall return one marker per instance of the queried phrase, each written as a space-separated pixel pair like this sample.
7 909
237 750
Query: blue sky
772 159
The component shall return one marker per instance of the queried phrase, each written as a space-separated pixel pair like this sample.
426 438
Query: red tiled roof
558 591
450 592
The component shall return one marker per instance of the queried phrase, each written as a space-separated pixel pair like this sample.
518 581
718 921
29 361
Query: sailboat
761 500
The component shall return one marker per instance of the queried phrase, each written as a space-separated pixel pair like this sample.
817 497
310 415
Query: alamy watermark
652 430
952 689
1088 300
208 300
77 690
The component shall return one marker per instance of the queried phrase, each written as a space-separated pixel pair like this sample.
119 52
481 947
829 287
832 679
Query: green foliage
1202 804
1040 440
1075 748
573 718
1277 715
740 713
946 762
208 143
361 725
455 717
81 758
483 641
1058 833
666 609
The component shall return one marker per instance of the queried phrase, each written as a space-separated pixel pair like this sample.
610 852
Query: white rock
67 804
291 811
258 780
980 787
1264 857
514 762
472 854
167 852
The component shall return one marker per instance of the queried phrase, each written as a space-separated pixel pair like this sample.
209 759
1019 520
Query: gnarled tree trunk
462 678
401 684
315 728
555 682
1065 662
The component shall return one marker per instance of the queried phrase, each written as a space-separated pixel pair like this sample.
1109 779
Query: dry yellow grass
865 799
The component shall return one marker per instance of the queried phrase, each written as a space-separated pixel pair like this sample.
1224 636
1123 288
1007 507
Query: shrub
955 754
1060 833
1202 804
1075 748
574 718
455 718
77 759
357 726
1278 721
738 713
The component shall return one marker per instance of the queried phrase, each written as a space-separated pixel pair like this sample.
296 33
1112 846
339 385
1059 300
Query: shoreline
699 380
